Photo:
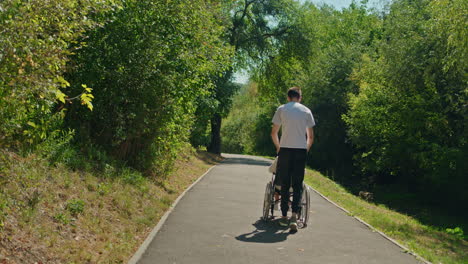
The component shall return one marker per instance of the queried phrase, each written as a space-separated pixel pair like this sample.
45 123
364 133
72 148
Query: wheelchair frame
269 203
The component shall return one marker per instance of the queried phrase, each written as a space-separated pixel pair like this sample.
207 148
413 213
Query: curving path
217 221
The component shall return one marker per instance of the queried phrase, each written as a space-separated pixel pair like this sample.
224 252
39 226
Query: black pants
291 165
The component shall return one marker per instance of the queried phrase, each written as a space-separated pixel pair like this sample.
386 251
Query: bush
457 232
75 207
132 177
37 40
408 120
147 67
62 218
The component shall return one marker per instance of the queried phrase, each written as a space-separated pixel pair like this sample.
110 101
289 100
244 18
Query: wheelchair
269 202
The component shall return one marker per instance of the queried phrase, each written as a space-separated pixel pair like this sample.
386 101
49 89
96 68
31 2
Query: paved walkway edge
141 250
405 249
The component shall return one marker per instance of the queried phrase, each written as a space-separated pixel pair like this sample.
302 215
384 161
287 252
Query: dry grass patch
51 214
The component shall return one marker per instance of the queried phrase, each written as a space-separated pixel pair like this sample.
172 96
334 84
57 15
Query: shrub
75 206
457 231
147 67
37 40
132 177
62 218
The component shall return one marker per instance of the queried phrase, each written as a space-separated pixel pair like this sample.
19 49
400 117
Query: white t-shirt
294 118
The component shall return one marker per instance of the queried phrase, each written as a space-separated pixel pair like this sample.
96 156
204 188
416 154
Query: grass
51 214
432 243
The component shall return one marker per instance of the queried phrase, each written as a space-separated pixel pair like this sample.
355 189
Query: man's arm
274 136
310 137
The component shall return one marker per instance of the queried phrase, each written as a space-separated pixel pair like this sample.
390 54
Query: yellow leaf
89 105
86 88
62 82
60 96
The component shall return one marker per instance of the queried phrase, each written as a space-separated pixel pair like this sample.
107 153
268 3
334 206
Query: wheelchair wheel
305 204
267 202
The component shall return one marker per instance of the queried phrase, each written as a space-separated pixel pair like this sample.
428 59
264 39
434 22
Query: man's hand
310 138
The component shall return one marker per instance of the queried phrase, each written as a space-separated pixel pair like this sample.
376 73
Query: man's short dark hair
294 92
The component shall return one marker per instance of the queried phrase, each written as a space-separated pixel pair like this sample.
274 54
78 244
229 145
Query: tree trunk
215 144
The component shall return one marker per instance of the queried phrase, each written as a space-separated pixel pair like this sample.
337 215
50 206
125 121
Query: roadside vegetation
387 90
97 104
53 214
100 102
436 244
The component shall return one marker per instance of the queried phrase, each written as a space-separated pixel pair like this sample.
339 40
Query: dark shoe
293 224
283 221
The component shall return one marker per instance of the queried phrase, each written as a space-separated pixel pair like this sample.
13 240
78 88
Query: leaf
60 96
86 88
63 83
86 100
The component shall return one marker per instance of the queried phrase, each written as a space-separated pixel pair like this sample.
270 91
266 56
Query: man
297 138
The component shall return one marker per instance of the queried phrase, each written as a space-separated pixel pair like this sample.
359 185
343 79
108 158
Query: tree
319 55
147 67
254 27
409 118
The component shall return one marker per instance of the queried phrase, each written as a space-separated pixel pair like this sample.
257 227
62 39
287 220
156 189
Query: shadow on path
247 161
265 232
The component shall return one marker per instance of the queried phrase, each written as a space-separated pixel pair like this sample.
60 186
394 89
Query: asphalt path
218 221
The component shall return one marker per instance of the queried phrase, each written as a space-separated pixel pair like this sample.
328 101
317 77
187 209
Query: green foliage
388 93
247 127
56 147
62 218
75 207
457 232
37 40
319 54
409 118
211 108
147 67
103 188
132 177
253 28
239 124
3 207
261 133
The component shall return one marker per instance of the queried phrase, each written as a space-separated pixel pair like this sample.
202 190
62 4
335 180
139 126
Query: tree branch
238 22
278 33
